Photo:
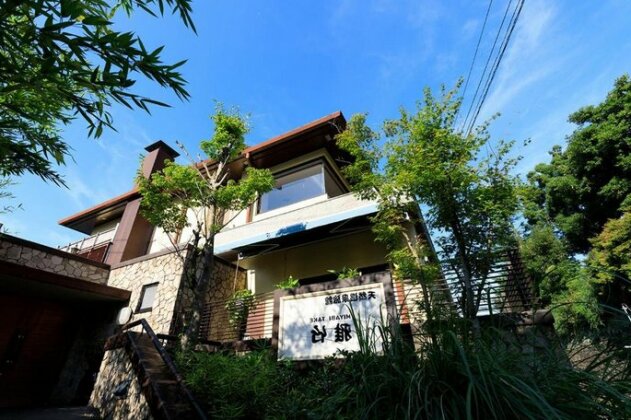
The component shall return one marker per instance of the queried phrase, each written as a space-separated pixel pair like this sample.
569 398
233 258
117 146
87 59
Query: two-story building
308 227
60 305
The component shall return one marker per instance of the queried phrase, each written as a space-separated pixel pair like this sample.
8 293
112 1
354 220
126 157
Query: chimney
158 153
134 232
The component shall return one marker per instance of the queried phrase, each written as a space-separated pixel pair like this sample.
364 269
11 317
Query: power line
486 65
475 54
497 63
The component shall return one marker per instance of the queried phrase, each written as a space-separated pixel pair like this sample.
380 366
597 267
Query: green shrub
239 306
289 283
346 273
496 376
229 386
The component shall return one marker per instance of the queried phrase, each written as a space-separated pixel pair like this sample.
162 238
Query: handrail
170 337
93 240
168 361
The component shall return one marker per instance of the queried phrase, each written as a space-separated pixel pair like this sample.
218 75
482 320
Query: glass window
294 187
333 187
147 296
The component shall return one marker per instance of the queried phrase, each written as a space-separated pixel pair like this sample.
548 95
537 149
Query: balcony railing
217 325
507 290
93 247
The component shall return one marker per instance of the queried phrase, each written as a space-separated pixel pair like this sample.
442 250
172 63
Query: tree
463 185
198 196
561 282
586 184
5 199
610 259
62 59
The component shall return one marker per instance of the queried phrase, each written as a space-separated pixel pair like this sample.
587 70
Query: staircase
162 385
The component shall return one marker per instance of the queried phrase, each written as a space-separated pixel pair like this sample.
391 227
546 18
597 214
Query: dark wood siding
35 335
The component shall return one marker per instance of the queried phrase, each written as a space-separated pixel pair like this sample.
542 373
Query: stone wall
85 355
173 298
117 368
163 268
227 279
30 254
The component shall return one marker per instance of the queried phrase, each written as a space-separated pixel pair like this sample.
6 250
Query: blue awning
297 228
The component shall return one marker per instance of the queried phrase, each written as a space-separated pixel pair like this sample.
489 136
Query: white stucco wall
314 259
111 224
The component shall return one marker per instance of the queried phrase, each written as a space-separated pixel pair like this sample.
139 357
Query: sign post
318 321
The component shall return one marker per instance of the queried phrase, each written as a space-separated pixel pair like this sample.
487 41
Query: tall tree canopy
587 183
610 259
464 184
62 59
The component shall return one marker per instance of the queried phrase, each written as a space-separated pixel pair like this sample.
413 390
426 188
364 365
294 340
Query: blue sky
287 63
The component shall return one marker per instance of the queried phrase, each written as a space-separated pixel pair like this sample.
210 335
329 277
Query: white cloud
82 194
341 12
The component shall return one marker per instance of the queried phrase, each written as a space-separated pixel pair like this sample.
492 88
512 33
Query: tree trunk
469 309
203 279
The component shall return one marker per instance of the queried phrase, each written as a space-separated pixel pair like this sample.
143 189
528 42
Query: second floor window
293 187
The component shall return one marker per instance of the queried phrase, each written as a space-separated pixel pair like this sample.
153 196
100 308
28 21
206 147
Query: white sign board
319 324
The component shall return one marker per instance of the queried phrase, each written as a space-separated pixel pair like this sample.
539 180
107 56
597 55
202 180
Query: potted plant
239 306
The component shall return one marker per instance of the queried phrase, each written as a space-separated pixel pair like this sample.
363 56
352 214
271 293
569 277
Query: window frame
302 167
139 308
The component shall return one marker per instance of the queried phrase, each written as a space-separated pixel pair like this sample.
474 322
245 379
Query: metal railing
506 289
90 242
144 326
217 324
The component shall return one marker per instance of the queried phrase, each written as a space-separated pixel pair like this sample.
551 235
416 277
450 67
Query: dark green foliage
501 378
62 59
239 306
231 387
561 283
610 260
577 204
547 261
585 185
464 183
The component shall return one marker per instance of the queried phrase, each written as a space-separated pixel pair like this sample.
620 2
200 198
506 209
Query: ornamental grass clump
500 375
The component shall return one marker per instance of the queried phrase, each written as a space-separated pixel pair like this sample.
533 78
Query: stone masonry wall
116 368
226 279
37 256
225 285
166 270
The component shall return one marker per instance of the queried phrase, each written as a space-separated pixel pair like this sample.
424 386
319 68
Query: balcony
95 247
508 291
216 325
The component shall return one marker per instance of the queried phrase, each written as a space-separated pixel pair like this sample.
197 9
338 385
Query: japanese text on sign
320 324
